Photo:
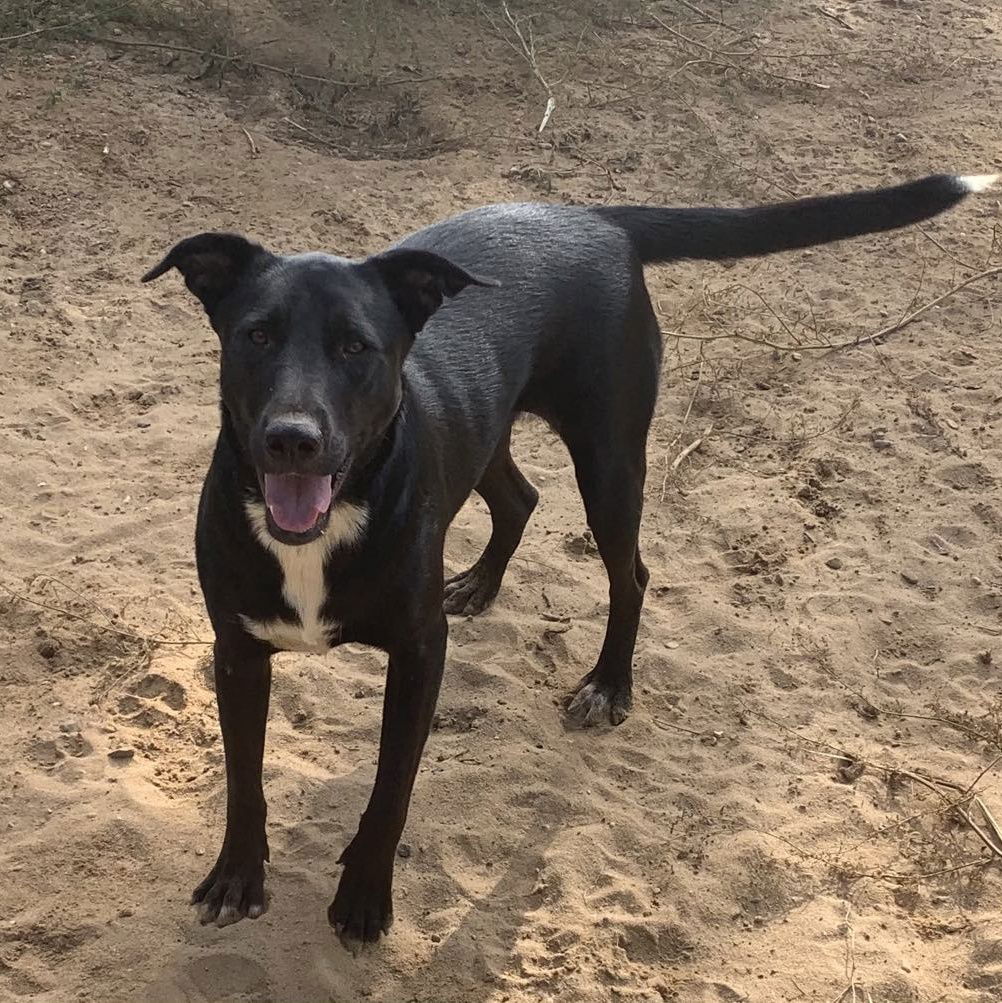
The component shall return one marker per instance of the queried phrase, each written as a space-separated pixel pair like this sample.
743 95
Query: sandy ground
826 577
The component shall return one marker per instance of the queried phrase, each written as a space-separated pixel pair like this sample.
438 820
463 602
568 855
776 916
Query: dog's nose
293 439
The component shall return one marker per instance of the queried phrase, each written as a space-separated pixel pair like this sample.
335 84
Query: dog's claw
472 591
593 703
360 932
230 893
362 911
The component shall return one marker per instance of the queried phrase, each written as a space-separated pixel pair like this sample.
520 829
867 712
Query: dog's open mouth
297 502
298 505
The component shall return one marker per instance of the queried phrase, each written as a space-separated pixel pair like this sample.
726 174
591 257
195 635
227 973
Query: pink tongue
296 501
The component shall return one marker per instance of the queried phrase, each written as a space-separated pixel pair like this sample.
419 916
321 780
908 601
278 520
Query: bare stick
867 339
932 240
921 875
934 784
801 439
665 725
685 421
130 635
269 67
691 448
990 819
938 720
528 51
66 24
754 174
879 336
991 766
702 13
850 958
918 289
313 135
250 140
828 13
720 60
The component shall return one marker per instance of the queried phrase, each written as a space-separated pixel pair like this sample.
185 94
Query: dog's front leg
363 908
234 887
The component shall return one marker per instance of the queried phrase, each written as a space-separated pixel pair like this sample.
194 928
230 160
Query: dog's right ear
211 263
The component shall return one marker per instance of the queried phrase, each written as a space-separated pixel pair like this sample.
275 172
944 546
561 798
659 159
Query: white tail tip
977 182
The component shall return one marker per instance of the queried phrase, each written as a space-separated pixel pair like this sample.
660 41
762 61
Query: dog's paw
362 910
595 702
233 890
471 592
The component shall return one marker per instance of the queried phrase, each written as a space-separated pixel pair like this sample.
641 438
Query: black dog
357 417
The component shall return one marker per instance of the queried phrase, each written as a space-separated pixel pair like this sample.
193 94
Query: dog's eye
354 347
257 336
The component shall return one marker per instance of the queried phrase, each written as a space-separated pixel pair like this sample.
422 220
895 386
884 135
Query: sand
825 566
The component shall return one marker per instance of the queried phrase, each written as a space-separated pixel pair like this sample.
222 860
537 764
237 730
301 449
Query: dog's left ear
211 263
419 280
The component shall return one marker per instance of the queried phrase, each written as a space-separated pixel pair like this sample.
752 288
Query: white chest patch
303 585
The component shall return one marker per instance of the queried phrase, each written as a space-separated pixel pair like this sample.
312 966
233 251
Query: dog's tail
715 234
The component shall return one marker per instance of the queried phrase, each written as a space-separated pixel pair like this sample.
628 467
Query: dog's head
312 351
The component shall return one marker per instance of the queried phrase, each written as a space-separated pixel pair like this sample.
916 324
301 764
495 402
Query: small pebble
881 444
123 753
835 563
910 579
436 938
404 850
939 544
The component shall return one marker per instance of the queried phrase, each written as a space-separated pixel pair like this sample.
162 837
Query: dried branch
526 48
128 634
221 57
65 24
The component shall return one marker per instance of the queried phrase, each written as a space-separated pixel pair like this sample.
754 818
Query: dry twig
315 136
250 139
876 338
835 17
854 991
719 58
222 57
65 24
691 448
127 634
703 14
527 49
988 830
685 421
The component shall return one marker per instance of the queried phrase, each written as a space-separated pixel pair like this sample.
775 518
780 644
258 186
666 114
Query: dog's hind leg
604 423
511 499
613 493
